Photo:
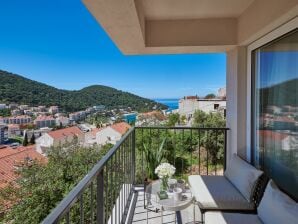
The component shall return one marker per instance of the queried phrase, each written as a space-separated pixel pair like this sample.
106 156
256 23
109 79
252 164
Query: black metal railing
191 150
105 193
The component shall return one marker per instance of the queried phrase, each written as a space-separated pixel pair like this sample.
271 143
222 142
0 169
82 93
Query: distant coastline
173 104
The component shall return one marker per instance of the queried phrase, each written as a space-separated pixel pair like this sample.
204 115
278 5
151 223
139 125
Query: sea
173 104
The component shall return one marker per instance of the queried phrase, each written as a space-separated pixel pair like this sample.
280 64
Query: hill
281 94
17 89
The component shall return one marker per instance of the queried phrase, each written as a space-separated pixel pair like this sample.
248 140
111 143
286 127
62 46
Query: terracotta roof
10 158
62 133
272 135
121 127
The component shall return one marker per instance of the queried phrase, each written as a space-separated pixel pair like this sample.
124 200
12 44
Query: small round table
168 204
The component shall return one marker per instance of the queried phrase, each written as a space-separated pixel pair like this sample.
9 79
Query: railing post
225 150
133 145
100 218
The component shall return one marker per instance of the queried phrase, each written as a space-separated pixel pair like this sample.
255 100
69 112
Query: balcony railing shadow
107 193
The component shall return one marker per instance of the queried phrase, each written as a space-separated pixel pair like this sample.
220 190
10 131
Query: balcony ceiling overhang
187 26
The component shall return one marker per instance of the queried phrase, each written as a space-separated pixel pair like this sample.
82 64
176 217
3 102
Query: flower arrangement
164 171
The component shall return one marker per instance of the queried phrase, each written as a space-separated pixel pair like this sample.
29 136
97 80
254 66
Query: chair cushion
231 218
276 207
243 176
216 192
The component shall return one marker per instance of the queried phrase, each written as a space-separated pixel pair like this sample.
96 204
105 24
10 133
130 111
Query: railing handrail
181 127
73 195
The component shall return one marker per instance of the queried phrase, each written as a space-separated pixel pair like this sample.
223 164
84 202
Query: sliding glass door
275 111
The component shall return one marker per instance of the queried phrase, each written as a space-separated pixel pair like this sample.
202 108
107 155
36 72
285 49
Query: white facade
64 121
187 107
107 135
44 142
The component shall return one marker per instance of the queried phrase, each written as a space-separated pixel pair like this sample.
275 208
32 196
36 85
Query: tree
199 118
173 119
42 186
32 139
25 141
210 96
5 112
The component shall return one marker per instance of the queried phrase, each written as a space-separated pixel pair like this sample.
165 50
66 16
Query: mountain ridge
15 88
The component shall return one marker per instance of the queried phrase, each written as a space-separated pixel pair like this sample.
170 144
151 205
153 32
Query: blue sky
58 42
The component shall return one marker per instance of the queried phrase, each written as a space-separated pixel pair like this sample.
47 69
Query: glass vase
164 184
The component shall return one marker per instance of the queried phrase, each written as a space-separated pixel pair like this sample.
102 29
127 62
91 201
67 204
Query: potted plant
153 159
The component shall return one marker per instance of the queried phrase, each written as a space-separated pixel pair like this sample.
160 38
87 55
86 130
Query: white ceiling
193 9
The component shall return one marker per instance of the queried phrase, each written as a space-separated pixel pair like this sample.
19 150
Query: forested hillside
17 89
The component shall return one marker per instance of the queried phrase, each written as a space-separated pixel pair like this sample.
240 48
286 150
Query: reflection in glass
276 111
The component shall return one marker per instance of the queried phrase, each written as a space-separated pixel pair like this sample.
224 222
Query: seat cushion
217 192
243 176
276 207
231 218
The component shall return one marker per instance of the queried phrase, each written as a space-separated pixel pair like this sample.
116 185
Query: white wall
107 135
236 102
45 141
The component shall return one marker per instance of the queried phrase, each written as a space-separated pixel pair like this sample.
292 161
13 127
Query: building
77 116
112 134
58 137
45 121
245 30
189 104
2 106
90 136
63 121
222 93
13 130
53 109
13 158
2 131
22 119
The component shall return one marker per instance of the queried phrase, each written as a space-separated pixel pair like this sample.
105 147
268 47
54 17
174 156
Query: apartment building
45 121
22 119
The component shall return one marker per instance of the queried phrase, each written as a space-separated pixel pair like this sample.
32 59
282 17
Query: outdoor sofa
275 208
238 190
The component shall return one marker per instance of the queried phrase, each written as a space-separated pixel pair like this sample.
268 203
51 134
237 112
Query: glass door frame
250 119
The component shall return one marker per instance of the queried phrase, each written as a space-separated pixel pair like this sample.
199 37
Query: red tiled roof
62 133
121 127
10 158
272 135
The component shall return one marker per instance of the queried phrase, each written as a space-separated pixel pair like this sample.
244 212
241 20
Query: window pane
276 111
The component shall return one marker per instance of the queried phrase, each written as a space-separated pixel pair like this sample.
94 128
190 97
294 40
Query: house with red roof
59 137
13 158
112 134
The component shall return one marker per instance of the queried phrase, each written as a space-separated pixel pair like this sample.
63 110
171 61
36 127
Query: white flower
165 170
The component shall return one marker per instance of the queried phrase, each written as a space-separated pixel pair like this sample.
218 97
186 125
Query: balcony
113 191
